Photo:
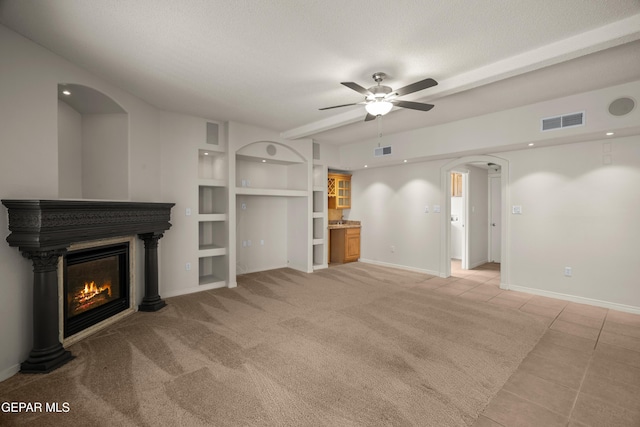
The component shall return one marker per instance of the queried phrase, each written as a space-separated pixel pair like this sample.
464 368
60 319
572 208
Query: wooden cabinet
339 191
345 245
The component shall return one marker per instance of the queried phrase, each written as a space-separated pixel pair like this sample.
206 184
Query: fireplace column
151 300
47 353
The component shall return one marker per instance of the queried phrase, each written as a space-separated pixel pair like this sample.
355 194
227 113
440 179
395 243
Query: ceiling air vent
382 151
561 122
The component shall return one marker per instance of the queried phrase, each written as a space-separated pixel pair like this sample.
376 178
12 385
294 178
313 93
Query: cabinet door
343 193
331 187
352 244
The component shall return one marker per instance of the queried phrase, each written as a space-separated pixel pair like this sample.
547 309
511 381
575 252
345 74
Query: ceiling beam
605 37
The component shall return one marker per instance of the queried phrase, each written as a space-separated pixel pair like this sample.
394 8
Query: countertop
337 225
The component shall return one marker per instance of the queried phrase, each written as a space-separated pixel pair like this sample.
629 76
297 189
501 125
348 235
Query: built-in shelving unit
319 217
273 208
213 216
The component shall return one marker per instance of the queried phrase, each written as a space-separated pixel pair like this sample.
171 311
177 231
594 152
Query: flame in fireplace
89 296
90 289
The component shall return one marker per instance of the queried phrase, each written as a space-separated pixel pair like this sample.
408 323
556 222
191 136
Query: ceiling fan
379 99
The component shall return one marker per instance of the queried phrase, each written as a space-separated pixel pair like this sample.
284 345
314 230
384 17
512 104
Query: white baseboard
400 267
573 298
9 372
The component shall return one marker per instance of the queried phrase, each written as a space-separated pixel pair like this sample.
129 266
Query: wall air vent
561 122
382 151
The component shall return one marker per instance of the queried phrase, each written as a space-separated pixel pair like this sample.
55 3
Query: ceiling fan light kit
380 99
378 107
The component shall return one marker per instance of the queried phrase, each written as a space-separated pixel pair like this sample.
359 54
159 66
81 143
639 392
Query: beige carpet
353 345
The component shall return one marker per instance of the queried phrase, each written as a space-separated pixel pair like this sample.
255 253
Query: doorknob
493 224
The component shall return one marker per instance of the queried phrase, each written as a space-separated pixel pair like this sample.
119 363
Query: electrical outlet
243 206
516 210
187 266
187 211
568 271
261 242
426 209
393 249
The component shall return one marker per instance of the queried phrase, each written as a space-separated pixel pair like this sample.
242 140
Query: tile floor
585 371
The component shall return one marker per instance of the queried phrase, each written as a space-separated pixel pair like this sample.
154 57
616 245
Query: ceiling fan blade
369 117
357 88
338 106
415 87
413 105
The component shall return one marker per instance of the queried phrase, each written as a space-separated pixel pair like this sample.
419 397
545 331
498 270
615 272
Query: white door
495 218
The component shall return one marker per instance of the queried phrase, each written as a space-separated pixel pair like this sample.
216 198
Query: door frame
491 196
445 220
464 261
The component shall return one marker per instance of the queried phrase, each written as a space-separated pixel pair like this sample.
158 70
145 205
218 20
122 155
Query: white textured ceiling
274 63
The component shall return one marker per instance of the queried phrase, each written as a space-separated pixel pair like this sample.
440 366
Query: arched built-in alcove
272 208
93 145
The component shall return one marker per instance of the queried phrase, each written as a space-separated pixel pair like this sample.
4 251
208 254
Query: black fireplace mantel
53 224
44 229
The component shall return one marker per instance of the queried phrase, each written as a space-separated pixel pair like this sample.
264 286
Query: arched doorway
445 226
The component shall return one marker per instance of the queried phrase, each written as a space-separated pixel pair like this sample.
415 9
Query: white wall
580 213
105 156
478 218
457 229
180 136
69 152
29 78
577 212
390 202
265 218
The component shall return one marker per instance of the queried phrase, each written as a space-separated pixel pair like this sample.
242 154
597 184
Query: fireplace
46 231
95 286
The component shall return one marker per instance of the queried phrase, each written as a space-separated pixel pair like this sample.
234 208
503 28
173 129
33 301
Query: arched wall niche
93 145
272 151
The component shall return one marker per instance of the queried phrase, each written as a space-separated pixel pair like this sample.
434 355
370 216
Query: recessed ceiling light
531 144
264 161
206 153
610 133
366 166
66 92
405 160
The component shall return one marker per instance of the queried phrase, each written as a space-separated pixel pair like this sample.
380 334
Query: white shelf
318 241
319 188
211 281
276 192
211 250
204 182
318 214
212 217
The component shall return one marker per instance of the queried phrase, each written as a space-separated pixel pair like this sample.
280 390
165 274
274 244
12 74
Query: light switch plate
436 208
516 210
